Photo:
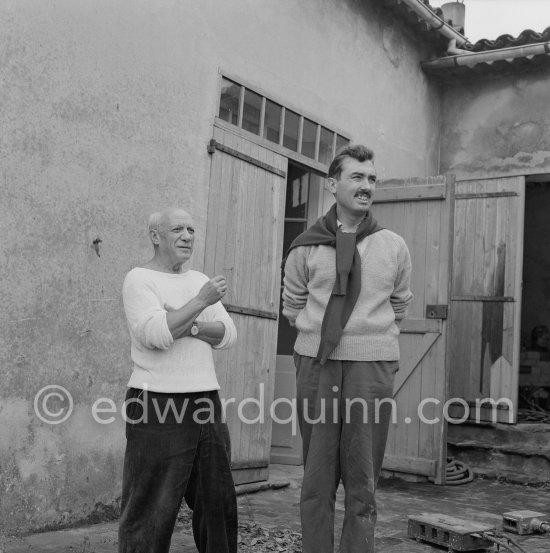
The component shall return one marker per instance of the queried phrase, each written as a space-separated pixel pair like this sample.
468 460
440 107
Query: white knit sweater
162 364
370 333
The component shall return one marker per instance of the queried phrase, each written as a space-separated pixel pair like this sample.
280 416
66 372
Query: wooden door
244 243
420 211
486 298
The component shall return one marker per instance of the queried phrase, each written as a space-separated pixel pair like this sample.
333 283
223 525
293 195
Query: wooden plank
252 185
434 253
254 464
252 312
215 213
485 266
484 298
472 337
410 465
226 222
461 379
230 391
244 188
412 181
409 433
489 260
513 322
276 251
420 326
407 365
485 195
393 216
471 233
404 409
425 192
213 145
441 380
264 282
432 368
514 224
410 387
457 275
247 476
416 217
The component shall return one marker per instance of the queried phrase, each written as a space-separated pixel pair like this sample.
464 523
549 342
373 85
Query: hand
213 290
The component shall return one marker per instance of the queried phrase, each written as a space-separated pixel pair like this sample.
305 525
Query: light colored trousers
344 431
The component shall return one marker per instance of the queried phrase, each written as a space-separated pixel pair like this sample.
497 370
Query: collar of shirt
340 225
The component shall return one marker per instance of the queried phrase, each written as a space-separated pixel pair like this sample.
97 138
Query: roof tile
507 41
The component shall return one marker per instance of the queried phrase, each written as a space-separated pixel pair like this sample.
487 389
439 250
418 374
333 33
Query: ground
270 519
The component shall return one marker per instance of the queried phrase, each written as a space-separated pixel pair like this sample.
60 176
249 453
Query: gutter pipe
473 58
435 22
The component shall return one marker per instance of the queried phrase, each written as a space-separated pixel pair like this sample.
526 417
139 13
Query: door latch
436 311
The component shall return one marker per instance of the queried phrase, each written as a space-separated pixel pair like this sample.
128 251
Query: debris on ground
255 538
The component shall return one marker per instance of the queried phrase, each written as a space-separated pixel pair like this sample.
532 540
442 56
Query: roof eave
471 59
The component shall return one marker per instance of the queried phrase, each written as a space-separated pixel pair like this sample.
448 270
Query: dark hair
356 151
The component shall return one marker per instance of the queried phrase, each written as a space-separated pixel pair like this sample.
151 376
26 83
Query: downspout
435 22
452 49
473 58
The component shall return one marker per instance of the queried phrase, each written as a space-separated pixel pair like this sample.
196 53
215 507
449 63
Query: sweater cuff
230 335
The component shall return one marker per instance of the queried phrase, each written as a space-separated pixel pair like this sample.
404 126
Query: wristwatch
194 328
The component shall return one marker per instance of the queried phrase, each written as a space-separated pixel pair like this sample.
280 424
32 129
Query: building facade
232 110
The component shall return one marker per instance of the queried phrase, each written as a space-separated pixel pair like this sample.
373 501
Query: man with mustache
177 442
346 287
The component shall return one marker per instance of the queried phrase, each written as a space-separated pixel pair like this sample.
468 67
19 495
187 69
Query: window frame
295 155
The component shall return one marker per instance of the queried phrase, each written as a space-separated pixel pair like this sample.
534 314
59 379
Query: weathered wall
497 126
106 108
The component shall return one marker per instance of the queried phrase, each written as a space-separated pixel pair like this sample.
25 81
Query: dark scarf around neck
325 232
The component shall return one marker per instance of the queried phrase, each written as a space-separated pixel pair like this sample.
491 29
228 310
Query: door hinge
214 145
211 148
437 311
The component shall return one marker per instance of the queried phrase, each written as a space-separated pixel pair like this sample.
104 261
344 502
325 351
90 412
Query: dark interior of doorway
301 208
534 377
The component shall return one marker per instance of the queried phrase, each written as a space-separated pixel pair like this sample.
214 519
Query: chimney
454 13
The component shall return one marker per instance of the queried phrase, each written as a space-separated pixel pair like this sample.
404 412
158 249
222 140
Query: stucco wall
106 108
497 126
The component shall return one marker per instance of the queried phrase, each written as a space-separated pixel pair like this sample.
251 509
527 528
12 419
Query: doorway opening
534 374
303 195
304 204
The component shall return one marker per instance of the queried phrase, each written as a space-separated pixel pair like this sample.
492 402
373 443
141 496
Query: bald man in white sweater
177 443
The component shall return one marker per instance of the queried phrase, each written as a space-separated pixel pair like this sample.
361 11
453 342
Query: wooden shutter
486 295
420 211
244 243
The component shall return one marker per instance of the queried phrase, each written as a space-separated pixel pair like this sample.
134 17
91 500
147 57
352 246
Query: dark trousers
169 456
344 434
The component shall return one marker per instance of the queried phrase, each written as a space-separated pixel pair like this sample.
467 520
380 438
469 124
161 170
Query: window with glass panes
255 113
